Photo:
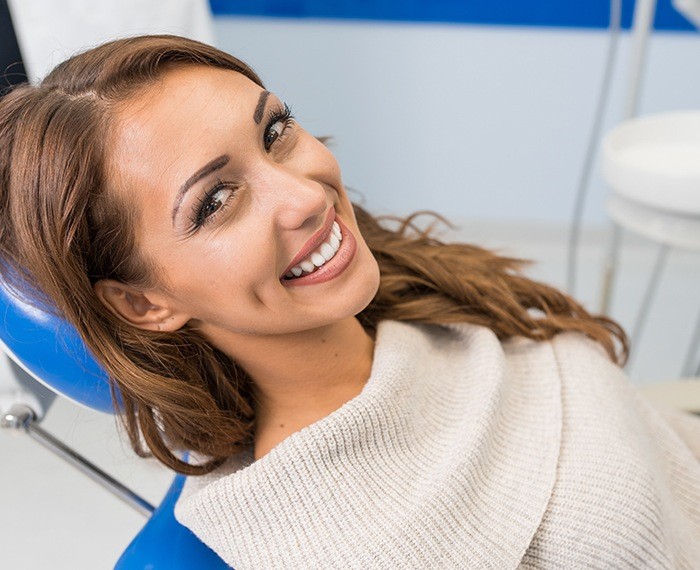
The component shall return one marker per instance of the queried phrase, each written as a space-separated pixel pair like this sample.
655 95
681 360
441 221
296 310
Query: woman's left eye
277 125
212 204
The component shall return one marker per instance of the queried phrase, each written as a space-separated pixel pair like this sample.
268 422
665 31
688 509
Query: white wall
474 122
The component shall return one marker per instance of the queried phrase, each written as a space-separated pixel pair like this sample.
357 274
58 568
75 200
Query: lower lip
331 269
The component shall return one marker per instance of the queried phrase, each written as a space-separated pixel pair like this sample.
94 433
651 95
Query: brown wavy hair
62 230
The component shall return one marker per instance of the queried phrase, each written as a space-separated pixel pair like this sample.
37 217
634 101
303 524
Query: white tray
655 160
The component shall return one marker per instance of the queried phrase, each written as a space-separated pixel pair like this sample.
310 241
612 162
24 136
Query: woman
355 396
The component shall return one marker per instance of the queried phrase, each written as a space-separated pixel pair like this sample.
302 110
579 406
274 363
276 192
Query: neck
303 377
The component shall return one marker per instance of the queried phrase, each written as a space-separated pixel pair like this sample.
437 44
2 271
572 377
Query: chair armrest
164 544
681 394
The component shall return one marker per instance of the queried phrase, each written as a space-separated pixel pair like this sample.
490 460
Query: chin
363 288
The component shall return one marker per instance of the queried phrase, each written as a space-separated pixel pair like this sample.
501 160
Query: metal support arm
22 417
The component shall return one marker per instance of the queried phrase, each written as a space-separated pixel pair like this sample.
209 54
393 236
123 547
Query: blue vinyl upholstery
164 544
51 351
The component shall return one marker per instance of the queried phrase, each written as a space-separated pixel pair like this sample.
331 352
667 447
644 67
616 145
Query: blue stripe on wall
559 13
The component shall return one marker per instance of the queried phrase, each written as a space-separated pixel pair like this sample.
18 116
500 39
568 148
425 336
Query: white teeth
317 259
327 251
323 254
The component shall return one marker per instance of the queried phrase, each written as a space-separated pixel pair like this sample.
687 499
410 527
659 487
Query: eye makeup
210 206
281 115
215 200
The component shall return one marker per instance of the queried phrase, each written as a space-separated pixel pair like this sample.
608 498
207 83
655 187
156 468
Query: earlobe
138 308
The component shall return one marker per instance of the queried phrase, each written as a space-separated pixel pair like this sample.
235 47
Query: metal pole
694 342
659 264
22 417
641 27
610 269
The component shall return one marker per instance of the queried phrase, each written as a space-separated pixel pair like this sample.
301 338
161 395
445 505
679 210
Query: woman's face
231 195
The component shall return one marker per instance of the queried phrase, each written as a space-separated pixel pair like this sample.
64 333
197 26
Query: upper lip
314 241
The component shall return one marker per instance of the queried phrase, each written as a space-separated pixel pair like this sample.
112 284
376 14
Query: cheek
332 165
229 264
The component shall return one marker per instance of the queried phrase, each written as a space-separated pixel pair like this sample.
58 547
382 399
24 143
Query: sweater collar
454 440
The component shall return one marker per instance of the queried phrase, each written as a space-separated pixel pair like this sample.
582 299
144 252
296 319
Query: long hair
62 229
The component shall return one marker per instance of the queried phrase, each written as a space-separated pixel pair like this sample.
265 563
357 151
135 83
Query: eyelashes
212 203
277 117
217 198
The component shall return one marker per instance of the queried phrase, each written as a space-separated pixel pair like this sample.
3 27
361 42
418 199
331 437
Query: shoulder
569 353
573 353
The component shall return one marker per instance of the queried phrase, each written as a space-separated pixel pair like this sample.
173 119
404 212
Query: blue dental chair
49 351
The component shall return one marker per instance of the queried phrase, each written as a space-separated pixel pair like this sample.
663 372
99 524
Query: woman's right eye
213 203
274 132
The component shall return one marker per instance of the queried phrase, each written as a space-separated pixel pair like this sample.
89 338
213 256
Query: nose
293 199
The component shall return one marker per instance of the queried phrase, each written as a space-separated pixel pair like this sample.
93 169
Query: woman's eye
277 125
213 203
274 131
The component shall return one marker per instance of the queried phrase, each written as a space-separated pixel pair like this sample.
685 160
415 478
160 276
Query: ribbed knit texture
465 452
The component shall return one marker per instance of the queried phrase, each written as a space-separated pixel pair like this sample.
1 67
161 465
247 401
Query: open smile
327 260
325 252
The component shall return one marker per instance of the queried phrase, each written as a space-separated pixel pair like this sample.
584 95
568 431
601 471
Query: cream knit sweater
465 452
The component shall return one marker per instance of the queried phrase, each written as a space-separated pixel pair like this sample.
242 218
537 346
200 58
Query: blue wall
569 14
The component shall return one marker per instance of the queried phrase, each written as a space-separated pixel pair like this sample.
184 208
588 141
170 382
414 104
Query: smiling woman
357 394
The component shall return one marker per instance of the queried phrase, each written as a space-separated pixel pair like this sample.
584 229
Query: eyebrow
260 107
211 166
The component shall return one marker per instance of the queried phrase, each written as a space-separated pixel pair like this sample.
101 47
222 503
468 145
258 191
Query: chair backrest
11 66
50 350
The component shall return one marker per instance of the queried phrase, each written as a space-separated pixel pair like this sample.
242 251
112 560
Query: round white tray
655 160
670 228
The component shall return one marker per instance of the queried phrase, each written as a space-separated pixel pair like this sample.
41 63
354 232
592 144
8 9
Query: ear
144 310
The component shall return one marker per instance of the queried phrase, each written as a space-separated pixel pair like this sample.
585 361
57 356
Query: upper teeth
325 252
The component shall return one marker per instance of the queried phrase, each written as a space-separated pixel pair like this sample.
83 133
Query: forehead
172 127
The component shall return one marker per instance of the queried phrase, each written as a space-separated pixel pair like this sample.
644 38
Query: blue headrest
51 351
